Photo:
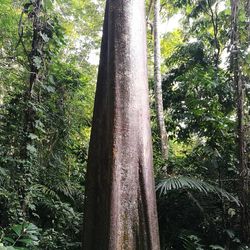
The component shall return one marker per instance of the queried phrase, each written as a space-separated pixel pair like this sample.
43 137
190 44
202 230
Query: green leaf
230 233
51 79
8 239
26 241
33 136
11 248
44 37
216 247
17 229
37 61
50 89
31 149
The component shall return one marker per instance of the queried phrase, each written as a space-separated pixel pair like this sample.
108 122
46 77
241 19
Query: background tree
241 137
158 81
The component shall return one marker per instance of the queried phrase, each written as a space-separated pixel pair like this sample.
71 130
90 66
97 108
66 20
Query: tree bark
242 164
158 82
120 207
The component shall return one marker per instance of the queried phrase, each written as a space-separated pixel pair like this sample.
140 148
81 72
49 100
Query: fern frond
68 189
44 190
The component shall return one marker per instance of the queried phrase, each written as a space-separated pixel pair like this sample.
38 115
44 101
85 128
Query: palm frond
182 182
67 189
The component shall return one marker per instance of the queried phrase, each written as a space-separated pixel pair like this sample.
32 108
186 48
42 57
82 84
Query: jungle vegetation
198 57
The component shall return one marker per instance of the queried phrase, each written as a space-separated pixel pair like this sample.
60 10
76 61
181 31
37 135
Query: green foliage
21 237
42 169
190 242
42 190
181 182
200 107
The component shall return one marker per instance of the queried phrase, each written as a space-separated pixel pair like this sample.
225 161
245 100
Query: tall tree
34 58
240 95
120 208
158 81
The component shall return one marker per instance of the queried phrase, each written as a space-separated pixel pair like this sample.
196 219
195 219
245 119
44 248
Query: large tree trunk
243 170
158 82
120 208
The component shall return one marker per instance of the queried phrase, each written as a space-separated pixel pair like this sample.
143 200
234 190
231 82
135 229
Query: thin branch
20 34
149 10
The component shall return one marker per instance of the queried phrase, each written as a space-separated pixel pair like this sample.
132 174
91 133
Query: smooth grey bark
158 82
120 206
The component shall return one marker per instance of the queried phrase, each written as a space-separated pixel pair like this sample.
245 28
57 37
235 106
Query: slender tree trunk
29 98
120 207
29 95
244 189
36 53
213 13
158 82
235 61
247 9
